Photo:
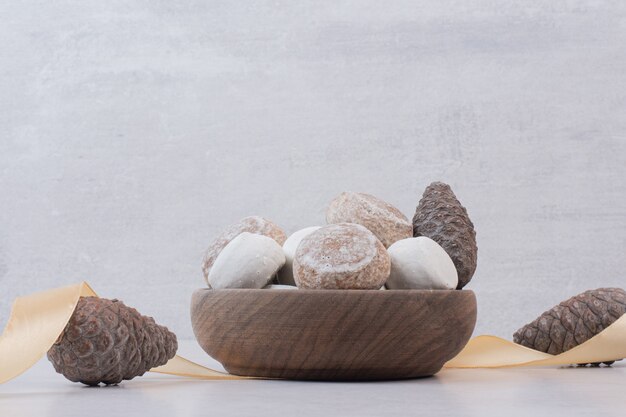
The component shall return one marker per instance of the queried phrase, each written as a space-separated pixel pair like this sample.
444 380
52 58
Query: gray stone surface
554 392
131 132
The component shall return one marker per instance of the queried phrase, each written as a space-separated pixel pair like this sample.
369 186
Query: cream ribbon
37 320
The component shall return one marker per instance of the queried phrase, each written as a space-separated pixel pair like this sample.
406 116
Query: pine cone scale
557 335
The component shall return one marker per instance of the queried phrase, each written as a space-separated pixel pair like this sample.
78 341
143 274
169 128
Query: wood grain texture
333 334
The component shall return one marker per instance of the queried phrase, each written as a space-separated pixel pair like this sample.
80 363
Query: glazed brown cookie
341 256
384 220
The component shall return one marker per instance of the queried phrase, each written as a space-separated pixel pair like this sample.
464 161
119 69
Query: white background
131 132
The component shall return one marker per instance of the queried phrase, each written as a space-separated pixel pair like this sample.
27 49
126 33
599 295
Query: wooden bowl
333 334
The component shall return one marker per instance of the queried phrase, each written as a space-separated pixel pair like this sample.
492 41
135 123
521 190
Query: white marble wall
132 131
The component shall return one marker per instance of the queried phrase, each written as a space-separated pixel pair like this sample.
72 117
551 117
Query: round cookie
420 263
285 275
247 261
384 220
341 256
251 224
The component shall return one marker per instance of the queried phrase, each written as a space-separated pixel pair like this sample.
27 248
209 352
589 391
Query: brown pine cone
441 217
574 321
107 342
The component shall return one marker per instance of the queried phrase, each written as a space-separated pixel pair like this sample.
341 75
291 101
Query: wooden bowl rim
333 291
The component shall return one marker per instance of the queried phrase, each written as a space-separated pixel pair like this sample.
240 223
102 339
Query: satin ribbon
37 320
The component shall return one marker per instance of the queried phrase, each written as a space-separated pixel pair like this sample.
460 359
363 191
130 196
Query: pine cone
441 217
107 342
573 321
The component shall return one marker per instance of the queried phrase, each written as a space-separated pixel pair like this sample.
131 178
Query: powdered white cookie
285 275
420 263
341 256
280 287
247 261
251 224
382 219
